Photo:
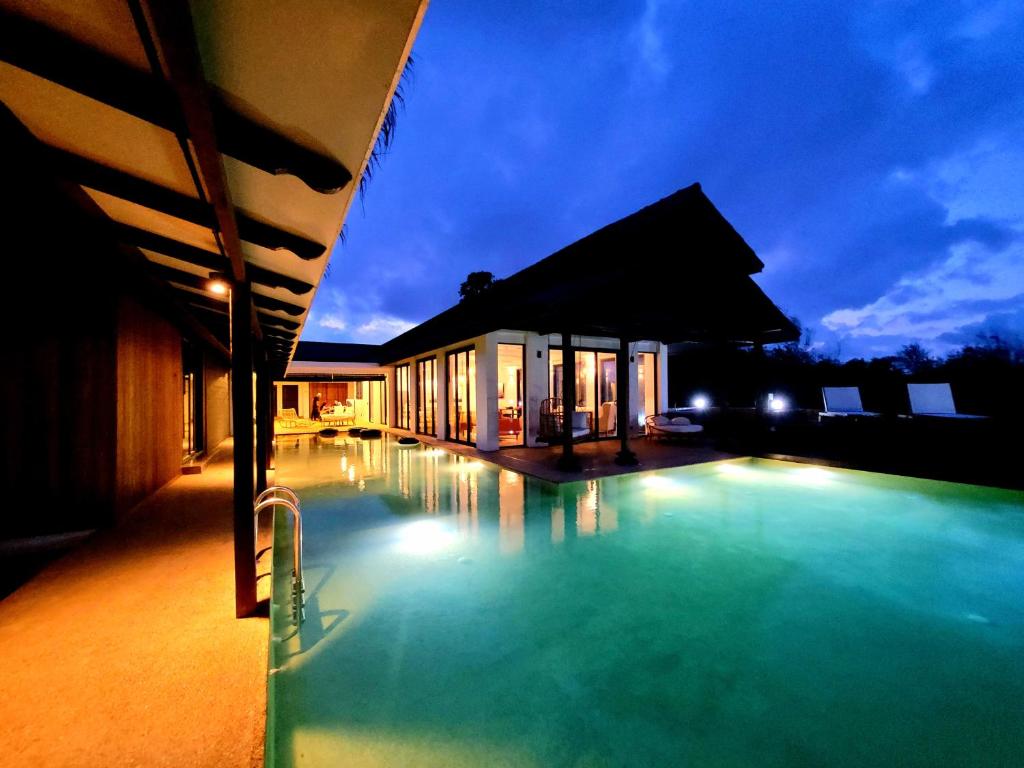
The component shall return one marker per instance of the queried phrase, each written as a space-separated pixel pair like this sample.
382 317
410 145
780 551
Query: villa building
486 371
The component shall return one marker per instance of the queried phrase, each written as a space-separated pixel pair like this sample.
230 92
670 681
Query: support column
262 423
242 412
625 457
568 462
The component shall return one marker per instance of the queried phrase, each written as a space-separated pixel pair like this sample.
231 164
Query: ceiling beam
151 241
93 175
169 24
268 302
267 318
36 48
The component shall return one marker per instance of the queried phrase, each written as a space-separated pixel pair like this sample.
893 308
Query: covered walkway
126 651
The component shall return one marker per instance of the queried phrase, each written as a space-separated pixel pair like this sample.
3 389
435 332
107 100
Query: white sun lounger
935 400
843 401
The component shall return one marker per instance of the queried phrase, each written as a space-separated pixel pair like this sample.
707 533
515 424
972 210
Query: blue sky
871 153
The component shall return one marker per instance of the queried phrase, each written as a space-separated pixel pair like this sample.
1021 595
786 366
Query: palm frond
388 129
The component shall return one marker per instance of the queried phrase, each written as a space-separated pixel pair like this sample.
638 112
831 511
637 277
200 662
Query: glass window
462 396
510 394
426 401
647 376
402 396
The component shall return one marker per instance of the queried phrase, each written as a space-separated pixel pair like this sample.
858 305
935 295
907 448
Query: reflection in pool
736 613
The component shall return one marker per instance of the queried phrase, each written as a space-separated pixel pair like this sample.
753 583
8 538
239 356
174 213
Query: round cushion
369 434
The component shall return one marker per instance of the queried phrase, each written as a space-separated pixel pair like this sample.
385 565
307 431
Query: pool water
735 613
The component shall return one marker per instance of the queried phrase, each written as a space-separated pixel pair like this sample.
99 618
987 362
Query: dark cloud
531 124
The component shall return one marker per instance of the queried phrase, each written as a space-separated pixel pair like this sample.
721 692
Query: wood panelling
331 391
149 403
218 403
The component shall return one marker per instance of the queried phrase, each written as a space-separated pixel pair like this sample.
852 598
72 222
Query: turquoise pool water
746 613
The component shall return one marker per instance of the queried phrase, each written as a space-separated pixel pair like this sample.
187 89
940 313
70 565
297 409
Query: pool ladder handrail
269 499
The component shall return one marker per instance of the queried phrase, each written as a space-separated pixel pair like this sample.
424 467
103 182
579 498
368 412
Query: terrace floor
126 651
597 458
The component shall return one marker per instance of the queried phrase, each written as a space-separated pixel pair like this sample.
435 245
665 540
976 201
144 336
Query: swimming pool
735 613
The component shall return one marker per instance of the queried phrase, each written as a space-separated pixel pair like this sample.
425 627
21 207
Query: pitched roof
332 352
673 271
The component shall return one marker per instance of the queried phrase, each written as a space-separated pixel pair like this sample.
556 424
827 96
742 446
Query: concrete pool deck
126 651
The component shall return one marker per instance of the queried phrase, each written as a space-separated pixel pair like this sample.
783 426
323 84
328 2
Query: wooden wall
331 391
218 402
149 404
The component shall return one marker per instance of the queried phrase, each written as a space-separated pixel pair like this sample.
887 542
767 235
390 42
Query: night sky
872 154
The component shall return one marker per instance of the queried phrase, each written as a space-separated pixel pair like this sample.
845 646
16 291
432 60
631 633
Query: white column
537 375
487 393
304 399
662 378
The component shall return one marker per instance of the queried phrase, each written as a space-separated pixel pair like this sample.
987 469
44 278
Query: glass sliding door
402 396
426 400
647 378
376 394
596 387
607 392
510 394
461 367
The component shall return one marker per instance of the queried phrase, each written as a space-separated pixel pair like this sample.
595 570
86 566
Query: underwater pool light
424 537
700 402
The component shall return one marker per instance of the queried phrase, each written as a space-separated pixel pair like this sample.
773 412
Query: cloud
649 41
381 328
958 292
332 321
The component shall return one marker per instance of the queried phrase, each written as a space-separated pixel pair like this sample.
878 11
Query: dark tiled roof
673 271
331 352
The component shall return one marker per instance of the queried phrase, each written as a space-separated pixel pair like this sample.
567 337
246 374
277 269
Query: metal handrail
279 489
298 587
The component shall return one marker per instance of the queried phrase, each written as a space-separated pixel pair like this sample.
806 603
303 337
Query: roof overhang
210 137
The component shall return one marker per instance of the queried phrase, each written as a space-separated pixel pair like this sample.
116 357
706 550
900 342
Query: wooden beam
244 478
36 48
208 259
268 319
96 176
169 25
267 302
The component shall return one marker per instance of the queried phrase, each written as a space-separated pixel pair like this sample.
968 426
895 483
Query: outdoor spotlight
218 284
701 402
776 404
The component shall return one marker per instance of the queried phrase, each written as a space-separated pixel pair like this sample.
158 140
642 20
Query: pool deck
597 458
126 651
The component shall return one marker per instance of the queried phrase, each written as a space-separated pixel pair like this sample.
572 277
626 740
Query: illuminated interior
462 396
510 394
426 397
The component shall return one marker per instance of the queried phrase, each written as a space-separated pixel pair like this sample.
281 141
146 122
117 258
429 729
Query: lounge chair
843 401
935 400
551 422
678 428
606 421
288 417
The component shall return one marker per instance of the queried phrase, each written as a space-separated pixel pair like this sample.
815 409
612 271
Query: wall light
700 402
218 284
777 404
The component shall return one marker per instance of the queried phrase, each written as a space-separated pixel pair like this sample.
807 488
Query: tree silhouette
475 284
